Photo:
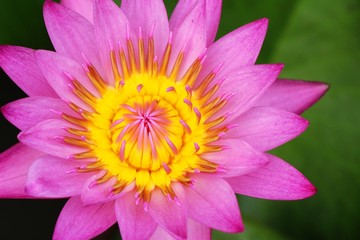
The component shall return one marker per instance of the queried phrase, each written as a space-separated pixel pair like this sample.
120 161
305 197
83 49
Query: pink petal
134 222
152 19
77 222
51 177
14 166
245 87
198 231
47 137
167 213
71 34
212 202
60 71
93 193
195 231
236 49
293 95
19 63
237 158
27 112
212 9
278 181
161 234
83 7
111 27
190 33
265 128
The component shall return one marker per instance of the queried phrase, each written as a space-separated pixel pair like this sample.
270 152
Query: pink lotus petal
195 231
93 193
134 222
212 202
237 158
47 137
77 222
161 234
14 166
198 231
152 20
212 10
245 87
293 95
51 177
111 29
190 33
277 181
27 112
168 214
71 34
60 71
265 128
19 63
236 49
83 7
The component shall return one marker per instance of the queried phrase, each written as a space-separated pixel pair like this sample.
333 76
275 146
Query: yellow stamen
150 129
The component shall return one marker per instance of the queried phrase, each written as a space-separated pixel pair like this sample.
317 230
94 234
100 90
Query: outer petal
77 222
14 166
265 128
134 222
278 181
52 177
19 63
212 202
27 112
83 7
71 34
161 234
93 193
236 49
47 137
170 215
245 87
60 71
152 19
195 231
212 9
198 231
293 95
190 33
112 28
237 158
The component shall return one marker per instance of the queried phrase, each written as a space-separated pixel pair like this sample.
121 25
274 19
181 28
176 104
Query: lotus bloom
148 122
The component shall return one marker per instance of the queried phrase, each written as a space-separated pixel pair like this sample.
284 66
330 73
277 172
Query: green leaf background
317 40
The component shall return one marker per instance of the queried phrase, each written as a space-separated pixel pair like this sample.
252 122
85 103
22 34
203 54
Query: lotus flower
148 122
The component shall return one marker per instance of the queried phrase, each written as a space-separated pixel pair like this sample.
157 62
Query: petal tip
310 190
5 50
263 23
239 227
322 88
278 67
47 4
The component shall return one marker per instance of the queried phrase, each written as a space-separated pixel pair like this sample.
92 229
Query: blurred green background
317 40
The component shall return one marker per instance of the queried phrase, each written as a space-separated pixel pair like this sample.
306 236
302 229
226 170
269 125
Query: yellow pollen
150 128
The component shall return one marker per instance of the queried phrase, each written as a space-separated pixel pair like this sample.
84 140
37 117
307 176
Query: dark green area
317 40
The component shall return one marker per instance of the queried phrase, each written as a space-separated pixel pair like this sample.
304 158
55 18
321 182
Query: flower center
147 133
149 128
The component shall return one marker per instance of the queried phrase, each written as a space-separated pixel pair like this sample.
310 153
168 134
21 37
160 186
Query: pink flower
148 123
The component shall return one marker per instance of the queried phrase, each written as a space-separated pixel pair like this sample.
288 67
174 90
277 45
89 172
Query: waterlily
148 122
